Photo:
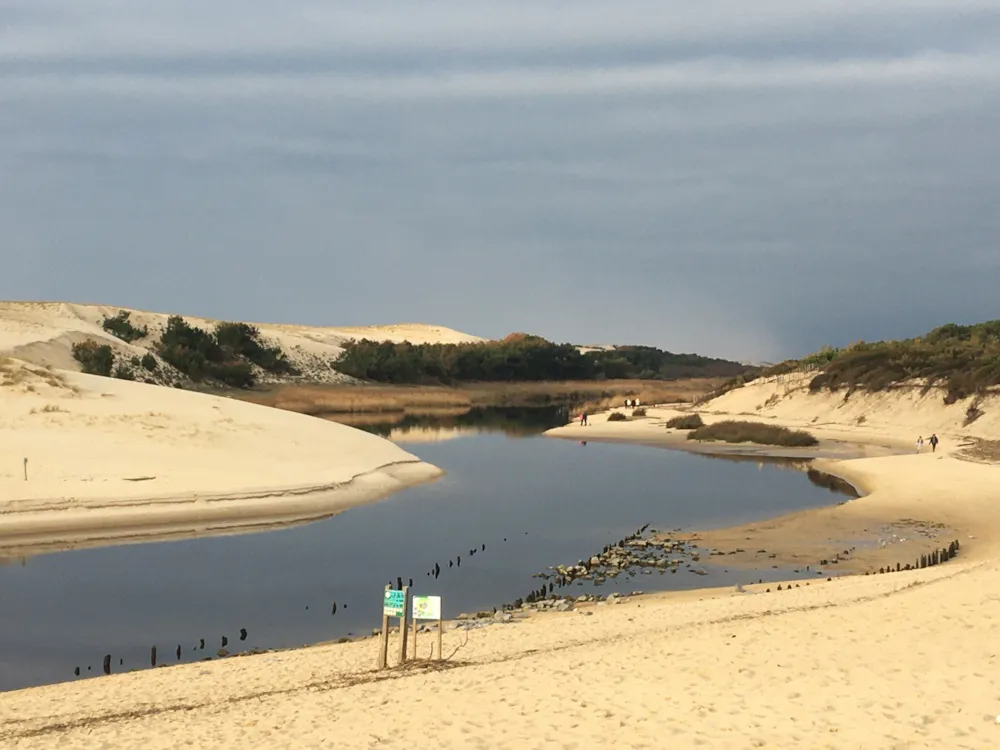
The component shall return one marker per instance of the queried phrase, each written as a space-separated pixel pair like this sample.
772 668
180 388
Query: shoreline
855 536
138 519
93 460
832 663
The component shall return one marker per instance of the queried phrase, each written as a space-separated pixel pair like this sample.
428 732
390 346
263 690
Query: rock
699 571
585 612
563 606
595 561
503 617
462 616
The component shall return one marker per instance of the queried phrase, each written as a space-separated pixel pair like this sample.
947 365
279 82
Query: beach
900 660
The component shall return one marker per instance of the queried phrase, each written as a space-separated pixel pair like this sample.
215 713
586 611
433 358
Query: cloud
696 176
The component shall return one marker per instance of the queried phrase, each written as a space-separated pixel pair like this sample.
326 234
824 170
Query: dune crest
43 333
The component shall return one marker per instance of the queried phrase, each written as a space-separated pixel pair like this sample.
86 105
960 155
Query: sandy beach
91 460
904 660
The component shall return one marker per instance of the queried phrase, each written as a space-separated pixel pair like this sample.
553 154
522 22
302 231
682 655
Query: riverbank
396 401
94 460
910 502
884 661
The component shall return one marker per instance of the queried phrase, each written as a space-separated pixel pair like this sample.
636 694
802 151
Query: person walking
934 442
920 443
583 419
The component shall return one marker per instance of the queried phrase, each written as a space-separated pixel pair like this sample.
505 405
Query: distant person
934 441
583 419
920 443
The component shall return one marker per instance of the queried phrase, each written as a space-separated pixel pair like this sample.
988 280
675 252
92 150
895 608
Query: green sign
394 603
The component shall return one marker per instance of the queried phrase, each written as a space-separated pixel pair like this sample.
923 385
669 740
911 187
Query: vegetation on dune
120 325
685 422
733 431
519 357
617 416
963 360
94 358
225 354
243 340
640 412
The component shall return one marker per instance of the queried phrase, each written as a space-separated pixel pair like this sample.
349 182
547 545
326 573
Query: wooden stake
403 629
25 470
414 638
440 632
383 646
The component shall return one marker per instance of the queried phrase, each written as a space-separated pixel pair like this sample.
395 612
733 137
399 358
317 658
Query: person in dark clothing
934 442
583 419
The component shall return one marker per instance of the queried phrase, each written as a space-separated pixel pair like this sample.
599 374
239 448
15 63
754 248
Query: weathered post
25 469
383 648
403 623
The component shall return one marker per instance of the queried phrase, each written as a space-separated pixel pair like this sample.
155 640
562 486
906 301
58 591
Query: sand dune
905 660
43 333
111 459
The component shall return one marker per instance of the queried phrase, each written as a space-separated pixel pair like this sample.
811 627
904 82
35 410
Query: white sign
427 608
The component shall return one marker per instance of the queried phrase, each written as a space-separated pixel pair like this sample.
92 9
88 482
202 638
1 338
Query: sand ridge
109 459
43 333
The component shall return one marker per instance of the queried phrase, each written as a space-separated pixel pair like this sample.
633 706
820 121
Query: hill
959 362
184 350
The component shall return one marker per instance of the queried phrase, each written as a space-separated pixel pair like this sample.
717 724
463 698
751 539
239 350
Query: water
533 501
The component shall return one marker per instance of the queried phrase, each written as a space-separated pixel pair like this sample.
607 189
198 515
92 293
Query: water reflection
425 425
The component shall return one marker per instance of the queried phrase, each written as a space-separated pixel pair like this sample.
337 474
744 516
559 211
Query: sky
747 180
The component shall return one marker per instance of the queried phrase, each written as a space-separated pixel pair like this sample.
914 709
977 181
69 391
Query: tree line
519 358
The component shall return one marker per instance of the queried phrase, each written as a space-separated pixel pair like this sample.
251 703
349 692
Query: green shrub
121 326
732 431
243 340
148 362
94 358
197 354
123 372
233 374
617 416
640 412
685 422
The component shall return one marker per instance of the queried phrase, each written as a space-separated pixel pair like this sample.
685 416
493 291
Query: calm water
553 501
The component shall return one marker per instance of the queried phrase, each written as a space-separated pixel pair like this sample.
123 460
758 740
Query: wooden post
440 633
26 470
414 638
383 647
403 622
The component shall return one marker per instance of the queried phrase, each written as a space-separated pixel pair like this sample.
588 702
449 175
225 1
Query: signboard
427 608
394 603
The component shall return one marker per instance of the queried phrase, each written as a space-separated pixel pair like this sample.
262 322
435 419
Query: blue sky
740 180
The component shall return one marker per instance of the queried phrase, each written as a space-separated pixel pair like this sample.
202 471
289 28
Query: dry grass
685 422
733 431
49 409
588 395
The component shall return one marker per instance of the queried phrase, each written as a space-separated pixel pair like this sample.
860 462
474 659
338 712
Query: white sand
116 459
110 460
907 660
43 333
